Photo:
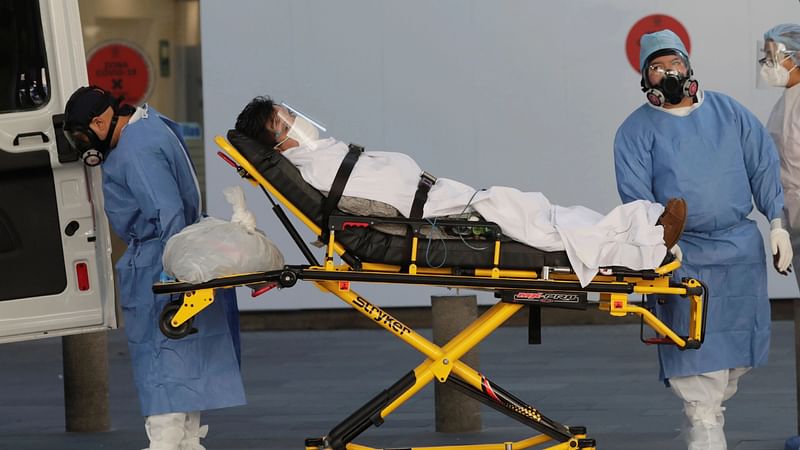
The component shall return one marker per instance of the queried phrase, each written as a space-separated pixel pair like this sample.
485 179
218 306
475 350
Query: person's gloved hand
676 252
164 277
781 247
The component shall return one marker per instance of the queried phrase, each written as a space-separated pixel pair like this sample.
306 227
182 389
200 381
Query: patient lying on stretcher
634 235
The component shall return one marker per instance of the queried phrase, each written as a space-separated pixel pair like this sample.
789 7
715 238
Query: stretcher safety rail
534 287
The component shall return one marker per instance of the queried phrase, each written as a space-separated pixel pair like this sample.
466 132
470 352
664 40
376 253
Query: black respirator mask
84 105
674 85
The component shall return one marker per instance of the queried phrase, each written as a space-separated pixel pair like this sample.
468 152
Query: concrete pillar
85 360
455 412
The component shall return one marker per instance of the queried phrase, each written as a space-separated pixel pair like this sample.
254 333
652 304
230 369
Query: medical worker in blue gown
151 193
708 149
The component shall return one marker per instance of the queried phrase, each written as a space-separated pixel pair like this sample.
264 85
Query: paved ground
301 383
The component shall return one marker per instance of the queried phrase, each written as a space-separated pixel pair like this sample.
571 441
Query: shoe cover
193 432
793 443
165 431
704 427
703 396
705 437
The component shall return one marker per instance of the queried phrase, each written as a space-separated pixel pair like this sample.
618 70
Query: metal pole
455 412
85 361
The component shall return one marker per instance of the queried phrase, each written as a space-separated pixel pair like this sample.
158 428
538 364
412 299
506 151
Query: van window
23 72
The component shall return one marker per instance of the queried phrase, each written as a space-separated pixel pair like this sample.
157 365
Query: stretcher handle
263 289
690 344
239 169
228 160
657 341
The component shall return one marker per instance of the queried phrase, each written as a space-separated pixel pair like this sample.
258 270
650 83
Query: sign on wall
122 69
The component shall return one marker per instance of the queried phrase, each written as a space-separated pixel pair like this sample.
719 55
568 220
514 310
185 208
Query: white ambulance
56 276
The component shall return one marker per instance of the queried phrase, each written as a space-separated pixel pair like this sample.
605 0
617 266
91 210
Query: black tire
165 322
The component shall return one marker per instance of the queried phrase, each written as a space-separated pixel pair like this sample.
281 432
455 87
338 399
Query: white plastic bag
213 248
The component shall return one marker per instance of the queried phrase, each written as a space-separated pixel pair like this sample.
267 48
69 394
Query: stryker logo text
379 315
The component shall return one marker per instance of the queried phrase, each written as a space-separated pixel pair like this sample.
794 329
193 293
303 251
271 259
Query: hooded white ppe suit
784 127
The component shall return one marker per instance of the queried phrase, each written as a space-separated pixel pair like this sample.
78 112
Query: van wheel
165 322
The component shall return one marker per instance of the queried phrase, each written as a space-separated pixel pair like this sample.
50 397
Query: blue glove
164 277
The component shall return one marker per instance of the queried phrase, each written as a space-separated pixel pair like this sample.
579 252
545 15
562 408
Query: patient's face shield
282 121
289 123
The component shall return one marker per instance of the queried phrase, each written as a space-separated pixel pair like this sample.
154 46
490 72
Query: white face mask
776 75
303 131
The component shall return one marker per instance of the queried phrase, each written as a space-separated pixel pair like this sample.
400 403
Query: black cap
85 104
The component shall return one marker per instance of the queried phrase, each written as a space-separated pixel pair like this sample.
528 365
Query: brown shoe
673 220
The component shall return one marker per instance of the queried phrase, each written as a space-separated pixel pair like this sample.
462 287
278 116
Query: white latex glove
781 246
241 215
676 252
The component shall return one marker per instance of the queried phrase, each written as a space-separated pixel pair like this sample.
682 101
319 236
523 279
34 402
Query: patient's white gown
627 236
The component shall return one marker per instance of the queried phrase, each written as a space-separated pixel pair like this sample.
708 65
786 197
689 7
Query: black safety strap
337 188
426 181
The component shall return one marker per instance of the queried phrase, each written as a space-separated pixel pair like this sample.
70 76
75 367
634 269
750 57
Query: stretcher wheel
288 279
165 322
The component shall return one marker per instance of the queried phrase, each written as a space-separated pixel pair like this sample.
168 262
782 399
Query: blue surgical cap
660 40
787 34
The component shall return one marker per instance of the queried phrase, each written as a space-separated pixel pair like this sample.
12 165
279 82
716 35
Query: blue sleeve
152 182
633 164
762 164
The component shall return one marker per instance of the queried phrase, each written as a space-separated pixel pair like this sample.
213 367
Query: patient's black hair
253 119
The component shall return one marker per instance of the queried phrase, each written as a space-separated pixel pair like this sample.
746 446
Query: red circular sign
650 24
121 69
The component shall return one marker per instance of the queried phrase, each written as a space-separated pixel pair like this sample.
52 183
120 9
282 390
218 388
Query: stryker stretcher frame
516 288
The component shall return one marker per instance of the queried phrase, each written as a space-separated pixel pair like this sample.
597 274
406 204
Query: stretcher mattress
371 245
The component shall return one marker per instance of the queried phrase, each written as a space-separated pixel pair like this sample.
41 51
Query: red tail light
82 272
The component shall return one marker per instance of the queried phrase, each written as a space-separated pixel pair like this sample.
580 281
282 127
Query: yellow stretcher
520 276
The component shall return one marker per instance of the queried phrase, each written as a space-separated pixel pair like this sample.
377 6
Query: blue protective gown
720 159
150 194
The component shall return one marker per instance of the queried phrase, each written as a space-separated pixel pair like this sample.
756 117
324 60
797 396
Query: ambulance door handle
71 228
32 133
